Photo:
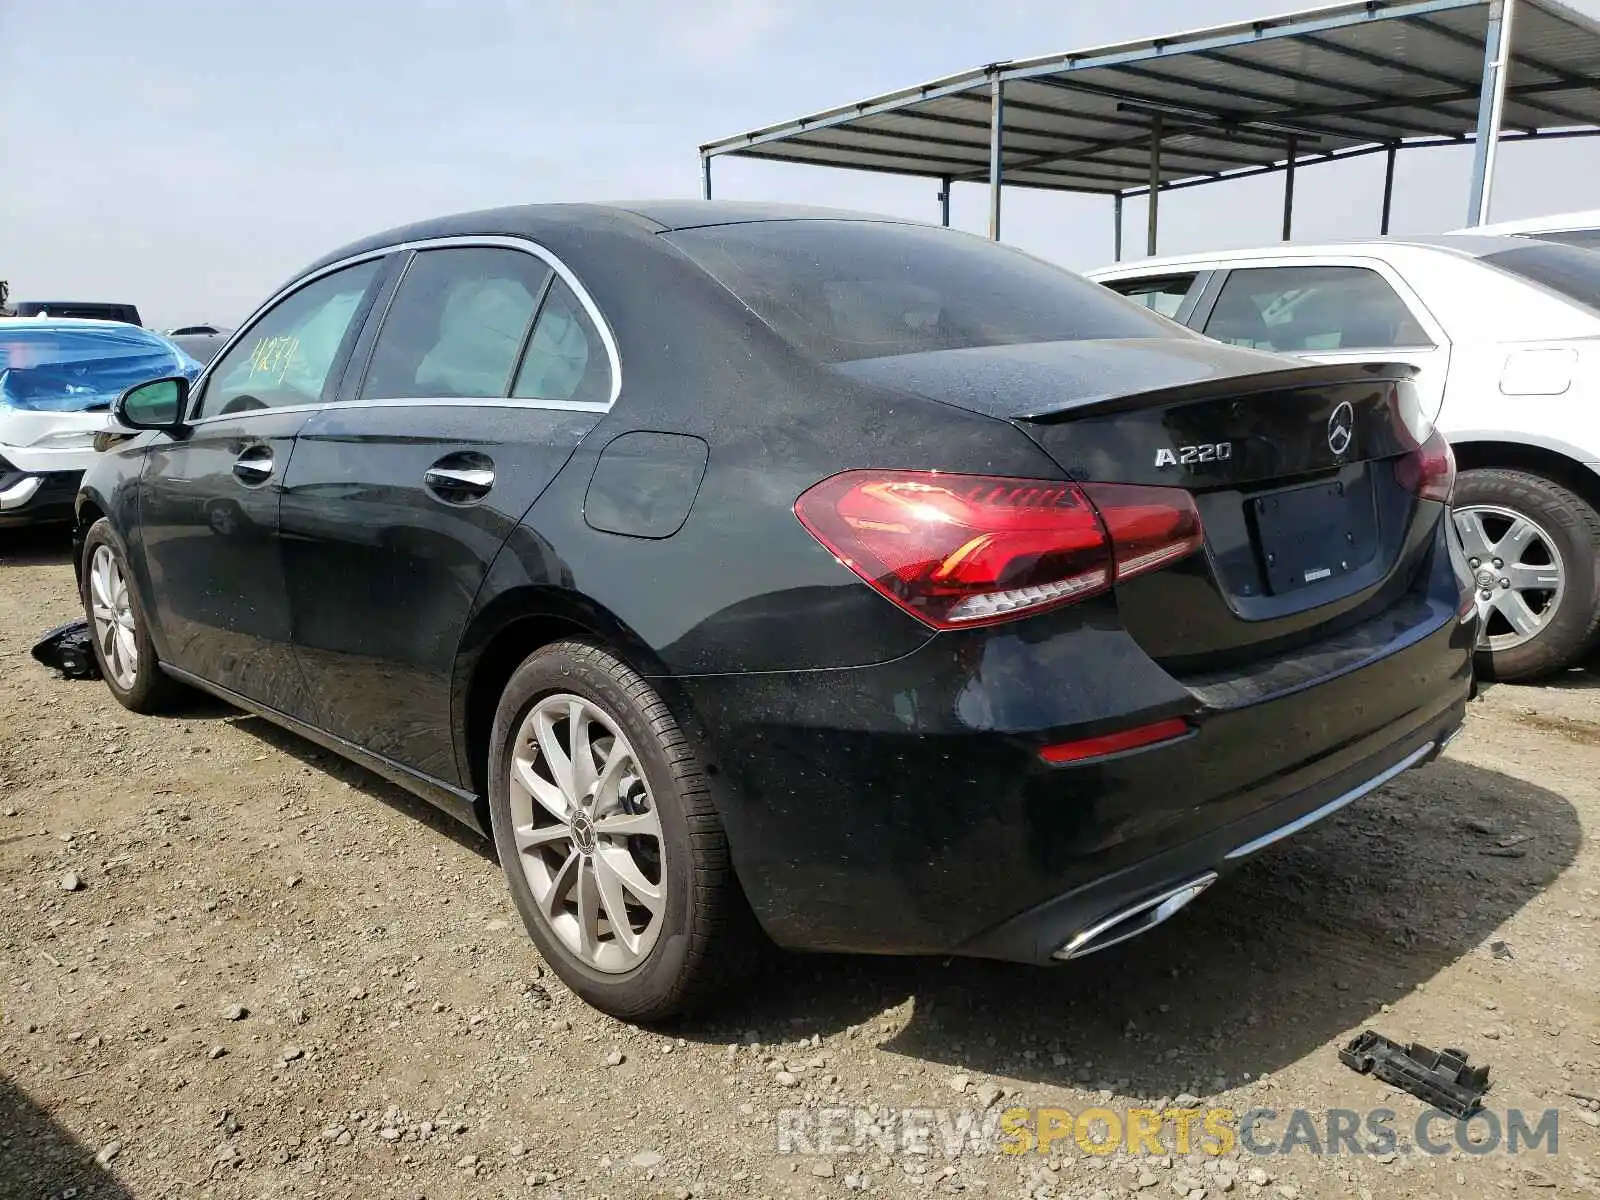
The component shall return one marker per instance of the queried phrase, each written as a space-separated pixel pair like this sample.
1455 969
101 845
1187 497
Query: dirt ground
281 977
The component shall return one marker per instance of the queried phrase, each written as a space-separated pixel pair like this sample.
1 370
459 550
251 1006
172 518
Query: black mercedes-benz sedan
744 568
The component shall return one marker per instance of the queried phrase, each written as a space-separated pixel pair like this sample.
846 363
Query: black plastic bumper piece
1442 1078
69 649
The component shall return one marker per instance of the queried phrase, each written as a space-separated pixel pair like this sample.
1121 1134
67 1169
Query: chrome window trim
573 406
525 245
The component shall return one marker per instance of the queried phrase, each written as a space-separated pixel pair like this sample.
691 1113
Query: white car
1573 229
58 377
1505 334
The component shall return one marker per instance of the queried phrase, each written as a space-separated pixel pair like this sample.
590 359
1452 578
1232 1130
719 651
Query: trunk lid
1308 529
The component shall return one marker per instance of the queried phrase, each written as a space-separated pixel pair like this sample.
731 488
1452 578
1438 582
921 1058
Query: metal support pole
1116 240
1155 186
997 121
944 202
705 175
1388 187
1288 188
1491 107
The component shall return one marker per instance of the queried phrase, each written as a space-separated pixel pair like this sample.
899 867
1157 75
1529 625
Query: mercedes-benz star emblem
1341 427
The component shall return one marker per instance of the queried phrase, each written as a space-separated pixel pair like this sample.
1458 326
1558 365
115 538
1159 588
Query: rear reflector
1113 743
958 551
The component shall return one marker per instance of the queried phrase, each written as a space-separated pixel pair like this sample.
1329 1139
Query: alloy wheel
1517 571
114 624
587 833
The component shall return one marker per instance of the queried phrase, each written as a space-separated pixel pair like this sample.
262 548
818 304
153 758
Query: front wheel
605 827
1531 544
122 645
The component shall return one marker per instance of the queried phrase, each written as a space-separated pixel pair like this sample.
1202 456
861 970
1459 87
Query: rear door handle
460 478
254 466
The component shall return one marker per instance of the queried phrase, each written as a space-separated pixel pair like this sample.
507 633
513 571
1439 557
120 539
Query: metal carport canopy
1225 103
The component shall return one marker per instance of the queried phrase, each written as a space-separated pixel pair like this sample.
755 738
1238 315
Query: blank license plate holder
1315 533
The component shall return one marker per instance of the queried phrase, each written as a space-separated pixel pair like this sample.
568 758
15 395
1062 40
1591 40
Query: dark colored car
200 344
89 310
888 585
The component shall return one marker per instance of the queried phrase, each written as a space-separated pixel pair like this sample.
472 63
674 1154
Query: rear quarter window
848 290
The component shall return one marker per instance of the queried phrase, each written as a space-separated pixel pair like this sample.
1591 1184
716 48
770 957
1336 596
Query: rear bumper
903 808
1050 930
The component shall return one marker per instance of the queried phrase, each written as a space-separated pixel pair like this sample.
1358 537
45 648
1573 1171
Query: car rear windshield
1566 270
1584 239
847 290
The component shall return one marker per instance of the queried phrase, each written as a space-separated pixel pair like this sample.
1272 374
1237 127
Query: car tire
137 680
1566 536
702 912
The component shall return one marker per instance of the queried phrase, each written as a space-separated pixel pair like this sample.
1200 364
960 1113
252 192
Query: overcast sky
188 156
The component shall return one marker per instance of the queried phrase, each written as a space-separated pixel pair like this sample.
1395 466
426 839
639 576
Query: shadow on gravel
1276 961
45 546
1579 678
43 1159
364 781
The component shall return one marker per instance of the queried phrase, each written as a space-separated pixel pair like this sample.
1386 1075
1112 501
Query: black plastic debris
69 649
1439 1077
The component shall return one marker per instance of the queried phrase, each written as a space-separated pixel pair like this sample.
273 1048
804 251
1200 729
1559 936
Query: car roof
76 303
68 323
547 222
1461 244
1558 223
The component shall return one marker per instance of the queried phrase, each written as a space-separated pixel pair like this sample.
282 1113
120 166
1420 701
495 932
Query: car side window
1164 295
285 357
566 358
457 324
1312 309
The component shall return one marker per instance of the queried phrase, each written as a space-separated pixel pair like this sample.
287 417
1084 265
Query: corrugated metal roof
1337 80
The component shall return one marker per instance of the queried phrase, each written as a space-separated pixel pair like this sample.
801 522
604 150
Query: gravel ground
234 966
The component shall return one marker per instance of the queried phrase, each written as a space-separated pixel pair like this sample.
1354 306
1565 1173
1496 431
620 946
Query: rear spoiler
1309 375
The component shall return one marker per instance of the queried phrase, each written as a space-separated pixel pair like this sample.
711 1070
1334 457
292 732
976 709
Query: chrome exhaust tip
1138 918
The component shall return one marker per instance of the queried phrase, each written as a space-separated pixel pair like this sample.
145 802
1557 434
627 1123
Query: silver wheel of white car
587 832
1517 572
1532 544
115 625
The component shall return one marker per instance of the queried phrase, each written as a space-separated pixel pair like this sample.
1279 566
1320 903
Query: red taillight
1114 743
1429 471
1149 526
963 550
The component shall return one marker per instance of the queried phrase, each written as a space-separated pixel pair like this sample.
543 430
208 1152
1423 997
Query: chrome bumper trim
1332 806
19 493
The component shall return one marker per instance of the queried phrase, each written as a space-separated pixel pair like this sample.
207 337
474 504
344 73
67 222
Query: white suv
1505 333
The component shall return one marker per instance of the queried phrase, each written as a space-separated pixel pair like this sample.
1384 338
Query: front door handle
254 466
460 478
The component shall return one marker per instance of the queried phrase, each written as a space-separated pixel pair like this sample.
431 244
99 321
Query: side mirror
159 404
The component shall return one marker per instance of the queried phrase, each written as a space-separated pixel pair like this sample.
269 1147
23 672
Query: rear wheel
605 827
122 645
1532 547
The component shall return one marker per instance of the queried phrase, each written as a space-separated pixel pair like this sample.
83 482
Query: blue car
58 377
